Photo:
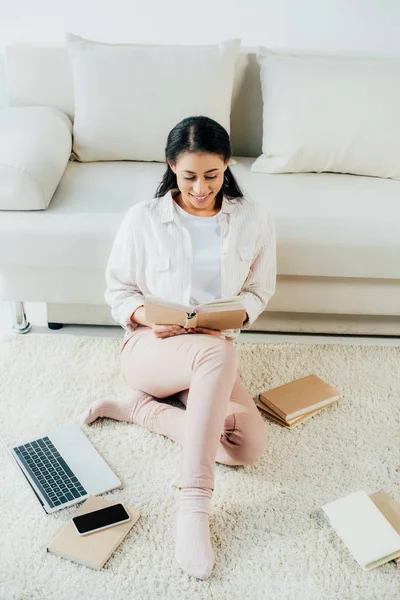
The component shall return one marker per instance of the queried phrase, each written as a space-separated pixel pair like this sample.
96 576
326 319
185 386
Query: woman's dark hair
202 135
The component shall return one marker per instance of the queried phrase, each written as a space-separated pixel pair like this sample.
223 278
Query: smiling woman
199 240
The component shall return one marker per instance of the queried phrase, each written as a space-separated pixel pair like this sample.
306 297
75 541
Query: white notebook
368 535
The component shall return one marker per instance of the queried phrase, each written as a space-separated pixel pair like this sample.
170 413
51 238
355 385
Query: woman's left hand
211 331
204 330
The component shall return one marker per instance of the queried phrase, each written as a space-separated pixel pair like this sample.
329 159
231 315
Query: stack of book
297 401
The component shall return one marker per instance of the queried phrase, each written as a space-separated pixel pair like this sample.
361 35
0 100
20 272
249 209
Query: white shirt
205 234
152 254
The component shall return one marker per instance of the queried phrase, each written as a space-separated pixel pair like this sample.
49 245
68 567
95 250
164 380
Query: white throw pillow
330 113
129 96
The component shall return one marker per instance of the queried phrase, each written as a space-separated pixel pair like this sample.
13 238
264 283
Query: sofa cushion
35 145
327 224
129 96
330 113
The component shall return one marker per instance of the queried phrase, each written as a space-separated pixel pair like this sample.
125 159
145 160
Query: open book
226 313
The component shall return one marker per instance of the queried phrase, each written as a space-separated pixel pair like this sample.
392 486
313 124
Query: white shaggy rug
270 537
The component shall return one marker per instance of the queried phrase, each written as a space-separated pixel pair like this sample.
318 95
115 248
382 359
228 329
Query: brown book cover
299 397
220 315
288 424
390 509
92 550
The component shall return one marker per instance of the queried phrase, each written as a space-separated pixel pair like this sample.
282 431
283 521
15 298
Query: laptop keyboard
50 472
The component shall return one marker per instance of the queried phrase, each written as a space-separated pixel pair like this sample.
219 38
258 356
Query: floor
36 315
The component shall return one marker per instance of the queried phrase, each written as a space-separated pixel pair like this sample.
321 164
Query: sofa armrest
35 146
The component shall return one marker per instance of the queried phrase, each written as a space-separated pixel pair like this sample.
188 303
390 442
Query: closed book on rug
288 424
226 313
92 550
369 536
299 397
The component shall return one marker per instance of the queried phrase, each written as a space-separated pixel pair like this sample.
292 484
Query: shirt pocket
158 275
154 272
245 258
246 253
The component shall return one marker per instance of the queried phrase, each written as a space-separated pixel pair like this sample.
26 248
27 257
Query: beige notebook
299 397
221 314
95 549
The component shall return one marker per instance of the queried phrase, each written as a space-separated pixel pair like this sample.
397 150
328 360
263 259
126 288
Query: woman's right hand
160 331
164 331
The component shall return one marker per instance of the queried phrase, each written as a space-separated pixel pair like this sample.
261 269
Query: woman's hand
204 330
164 331
160 331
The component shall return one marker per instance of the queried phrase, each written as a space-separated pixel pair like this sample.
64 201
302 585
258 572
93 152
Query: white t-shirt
205 233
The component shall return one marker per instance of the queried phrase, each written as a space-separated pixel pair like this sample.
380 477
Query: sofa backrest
41 75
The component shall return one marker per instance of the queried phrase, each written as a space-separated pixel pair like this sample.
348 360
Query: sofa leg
19 322
54 325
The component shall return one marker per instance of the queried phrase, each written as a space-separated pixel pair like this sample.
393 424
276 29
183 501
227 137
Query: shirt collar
167 206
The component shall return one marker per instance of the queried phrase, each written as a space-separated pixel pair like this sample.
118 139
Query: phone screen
98 519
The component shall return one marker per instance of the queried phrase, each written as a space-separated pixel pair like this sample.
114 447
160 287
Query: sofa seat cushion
35 146
330 224
327 224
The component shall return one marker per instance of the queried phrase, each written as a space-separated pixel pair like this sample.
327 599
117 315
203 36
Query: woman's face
200 177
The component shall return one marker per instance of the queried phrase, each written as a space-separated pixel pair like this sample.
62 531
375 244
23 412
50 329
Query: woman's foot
121 409
193 550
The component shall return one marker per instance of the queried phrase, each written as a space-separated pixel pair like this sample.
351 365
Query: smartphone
101 519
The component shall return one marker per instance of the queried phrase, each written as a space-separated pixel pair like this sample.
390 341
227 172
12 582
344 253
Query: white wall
371 26
330 24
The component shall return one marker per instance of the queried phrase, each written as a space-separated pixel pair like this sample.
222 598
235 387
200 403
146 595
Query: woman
200 238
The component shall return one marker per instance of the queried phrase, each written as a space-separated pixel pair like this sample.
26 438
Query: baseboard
85 314
380 325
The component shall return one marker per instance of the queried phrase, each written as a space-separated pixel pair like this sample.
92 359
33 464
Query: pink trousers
221 421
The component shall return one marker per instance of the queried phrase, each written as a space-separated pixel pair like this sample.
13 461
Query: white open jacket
152 254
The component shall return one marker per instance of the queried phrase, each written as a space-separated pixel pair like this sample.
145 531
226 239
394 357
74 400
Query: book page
169 303
218 308
234 303
232 300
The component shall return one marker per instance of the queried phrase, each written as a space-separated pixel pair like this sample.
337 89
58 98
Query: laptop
63 468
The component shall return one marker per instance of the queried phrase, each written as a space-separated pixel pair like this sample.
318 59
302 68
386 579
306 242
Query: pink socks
139 408
193 549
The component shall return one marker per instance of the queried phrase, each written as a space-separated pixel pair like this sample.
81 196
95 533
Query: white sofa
338 236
